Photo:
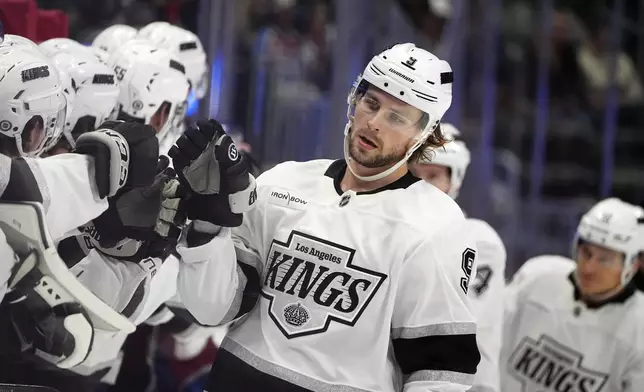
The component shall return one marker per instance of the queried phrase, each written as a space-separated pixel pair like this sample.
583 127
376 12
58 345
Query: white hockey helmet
53 46
96 92
150 79
616 225
188 49
69 95
32 106
454 154
412 75
113 37
151 30
12 40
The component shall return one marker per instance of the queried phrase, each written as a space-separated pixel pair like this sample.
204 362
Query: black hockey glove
141 213
38 317
125 155
209 165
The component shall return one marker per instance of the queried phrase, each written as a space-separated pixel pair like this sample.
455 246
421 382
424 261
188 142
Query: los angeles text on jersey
310 282
546 365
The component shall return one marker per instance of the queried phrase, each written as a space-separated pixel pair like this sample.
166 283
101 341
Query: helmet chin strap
375 177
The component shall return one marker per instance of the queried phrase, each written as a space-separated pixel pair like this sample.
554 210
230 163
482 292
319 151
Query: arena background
547 93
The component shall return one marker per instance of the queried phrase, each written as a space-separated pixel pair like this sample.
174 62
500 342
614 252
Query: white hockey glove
125 155
51 314
208 164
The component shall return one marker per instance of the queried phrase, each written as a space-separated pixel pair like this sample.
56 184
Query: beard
373 159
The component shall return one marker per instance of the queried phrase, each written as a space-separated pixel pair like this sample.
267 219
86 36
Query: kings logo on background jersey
311 282
548 366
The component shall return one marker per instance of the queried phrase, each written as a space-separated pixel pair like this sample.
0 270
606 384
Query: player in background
445 168
94 84
362 282
153 86
181 344
579 325
187 48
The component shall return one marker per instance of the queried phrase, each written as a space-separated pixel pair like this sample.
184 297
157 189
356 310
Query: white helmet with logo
616 225
113 37
96 92
150 80
188 48
454 154
56 45
412 75
32 106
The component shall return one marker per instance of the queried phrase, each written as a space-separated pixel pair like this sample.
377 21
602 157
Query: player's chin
591 288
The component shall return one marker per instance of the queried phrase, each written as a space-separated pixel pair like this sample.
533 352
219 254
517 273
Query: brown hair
436 140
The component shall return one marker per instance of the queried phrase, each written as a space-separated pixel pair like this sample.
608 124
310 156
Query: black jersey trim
337 169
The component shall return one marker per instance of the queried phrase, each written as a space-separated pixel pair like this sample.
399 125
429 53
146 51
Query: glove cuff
244 201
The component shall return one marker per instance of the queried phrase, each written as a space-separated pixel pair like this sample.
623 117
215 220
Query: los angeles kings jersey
554 343
486 293
359 292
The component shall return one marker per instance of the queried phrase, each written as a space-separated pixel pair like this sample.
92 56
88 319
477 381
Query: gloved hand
142 213
208 164
56 329
125 155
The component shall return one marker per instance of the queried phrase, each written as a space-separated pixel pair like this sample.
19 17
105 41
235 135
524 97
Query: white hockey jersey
552 342
134 289
486 292
357 290
64 184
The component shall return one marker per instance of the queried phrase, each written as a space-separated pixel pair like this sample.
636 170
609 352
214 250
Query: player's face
599 270
437 175
383 129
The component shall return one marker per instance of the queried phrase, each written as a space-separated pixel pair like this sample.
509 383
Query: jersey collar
618 298
337 169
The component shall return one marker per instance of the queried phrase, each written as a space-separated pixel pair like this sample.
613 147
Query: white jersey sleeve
434 333
486 295
220 280
64 184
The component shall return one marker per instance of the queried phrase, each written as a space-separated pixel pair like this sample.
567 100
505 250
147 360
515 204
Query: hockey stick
24 388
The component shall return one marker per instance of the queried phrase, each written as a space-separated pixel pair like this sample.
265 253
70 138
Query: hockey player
186 46
580 325
188 343
153 87
363 281
445 168
95 92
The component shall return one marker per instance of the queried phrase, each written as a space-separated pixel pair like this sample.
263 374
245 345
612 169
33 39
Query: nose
589 266
374 122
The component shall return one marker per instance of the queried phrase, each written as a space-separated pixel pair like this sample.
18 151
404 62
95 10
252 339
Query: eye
396 118
371 103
